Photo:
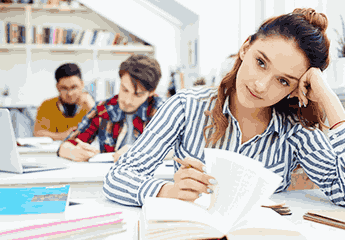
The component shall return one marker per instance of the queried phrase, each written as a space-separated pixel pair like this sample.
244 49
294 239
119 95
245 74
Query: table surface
299 202
73 173
87 174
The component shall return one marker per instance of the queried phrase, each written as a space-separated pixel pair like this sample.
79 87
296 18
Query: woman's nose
261 84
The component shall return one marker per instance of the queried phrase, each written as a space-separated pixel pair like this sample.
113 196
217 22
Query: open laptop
9 155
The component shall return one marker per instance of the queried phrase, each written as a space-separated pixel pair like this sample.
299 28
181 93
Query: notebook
9 155
34 200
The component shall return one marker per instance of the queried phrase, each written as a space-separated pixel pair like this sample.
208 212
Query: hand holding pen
189 181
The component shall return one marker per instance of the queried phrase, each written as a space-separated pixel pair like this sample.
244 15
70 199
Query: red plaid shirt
106 120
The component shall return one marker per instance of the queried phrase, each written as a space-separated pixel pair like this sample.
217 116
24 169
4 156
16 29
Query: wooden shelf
75 48
41 8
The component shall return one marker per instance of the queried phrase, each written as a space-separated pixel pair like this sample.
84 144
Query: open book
233 210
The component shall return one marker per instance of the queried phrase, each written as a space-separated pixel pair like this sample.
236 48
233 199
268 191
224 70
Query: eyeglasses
71 90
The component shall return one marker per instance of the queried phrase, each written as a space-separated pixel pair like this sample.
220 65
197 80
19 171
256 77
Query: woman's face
270 70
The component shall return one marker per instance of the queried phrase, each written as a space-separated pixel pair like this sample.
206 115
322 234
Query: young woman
270 107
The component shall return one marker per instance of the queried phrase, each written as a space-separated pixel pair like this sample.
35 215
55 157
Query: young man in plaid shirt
120 120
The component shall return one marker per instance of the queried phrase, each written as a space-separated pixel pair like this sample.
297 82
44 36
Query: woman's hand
313 86
189 182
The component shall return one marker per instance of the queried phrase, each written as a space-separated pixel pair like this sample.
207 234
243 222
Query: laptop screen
9 156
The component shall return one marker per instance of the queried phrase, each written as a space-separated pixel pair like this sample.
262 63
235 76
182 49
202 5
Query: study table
85 179
299 201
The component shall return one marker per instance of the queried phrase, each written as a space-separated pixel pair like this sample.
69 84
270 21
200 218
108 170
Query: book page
167 218
266 223
102 157
242 183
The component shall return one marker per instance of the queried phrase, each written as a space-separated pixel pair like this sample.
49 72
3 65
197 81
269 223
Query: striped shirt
180 123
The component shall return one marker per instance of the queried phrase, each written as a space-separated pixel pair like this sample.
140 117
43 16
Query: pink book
108 223
54 36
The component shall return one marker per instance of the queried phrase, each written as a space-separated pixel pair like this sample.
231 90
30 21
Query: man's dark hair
142 69
200 81
67 70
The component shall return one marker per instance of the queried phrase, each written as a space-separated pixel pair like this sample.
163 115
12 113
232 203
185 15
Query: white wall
148 26
218 31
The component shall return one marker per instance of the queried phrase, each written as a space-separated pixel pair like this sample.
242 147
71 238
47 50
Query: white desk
298 201
85 178
302 201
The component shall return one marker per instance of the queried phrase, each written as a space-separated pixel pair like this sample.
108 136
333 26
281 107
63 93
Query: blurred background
192 40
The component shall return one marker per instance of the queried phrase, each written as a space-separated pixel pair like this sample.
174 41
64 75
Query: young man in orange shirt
57 117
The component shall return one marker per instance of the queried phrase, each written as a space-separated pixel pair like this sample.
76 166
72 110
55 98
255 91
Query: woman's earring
288 96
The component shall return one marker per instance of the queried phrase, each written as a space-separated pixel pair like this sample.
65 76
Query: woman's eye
260 63
283 82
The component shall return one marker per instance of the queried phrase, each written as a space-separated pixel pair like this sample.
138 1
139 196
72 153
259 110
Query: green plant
341 41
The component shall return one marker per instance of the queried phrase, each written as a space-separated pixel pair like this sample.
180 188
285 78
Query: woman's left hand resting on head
314 87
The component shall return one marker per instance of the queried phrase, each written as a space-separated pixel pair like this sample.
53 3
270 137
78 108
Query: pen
182 162
187 165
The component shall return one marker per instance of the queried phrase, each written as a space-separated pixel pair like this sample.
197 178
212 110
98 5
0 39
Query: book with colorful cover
34 200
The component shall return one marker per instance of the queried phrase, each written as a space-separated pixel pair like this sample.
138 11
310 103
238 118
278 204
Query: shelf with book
54 35
42 8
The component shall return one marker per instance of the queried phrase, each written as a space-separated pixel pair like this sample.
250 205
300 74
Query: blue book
69 36
8 32
94 37
35 200
22 34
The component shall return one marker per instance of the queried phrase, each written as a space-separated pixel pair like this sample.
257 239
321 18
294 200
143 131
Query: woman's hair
307 28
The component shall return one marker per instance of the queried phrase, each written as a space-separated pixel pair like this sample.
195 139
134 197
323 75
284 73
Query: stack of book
12 33
57 35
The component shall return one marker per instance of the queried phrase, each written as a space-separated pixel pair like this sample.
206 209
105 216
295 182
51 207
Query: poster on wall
193 53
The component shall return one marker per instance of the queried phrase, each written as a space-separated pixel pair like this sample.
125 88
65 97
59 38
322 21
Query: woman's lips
253 94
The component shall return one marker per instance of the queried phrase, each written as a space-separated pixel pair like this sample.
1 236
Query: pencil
181 162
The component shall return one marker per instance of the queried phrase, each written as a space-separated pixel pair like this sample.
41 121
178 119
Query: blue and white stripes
180 122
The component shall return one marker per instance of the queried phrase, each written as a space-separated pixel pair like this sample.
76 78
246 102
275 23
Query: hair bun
318 20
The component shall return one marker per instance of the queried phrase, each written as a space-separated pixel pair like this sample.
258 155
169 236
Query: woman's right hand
189 182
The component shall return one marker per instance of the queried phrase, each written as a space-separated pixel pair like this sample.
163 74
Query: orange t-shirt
50 118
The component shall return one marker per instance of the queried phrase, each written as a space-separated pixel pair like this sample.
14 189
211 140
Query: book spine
2 32
14 33
33 32
69 36
80 40
117 39
46 35
51 33
22 34
111 38
39 34
74 36
64 38
8 32
94 37
55 36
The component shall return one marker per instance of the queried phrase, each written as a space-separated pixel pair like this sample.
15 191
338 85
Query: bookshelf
28 69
